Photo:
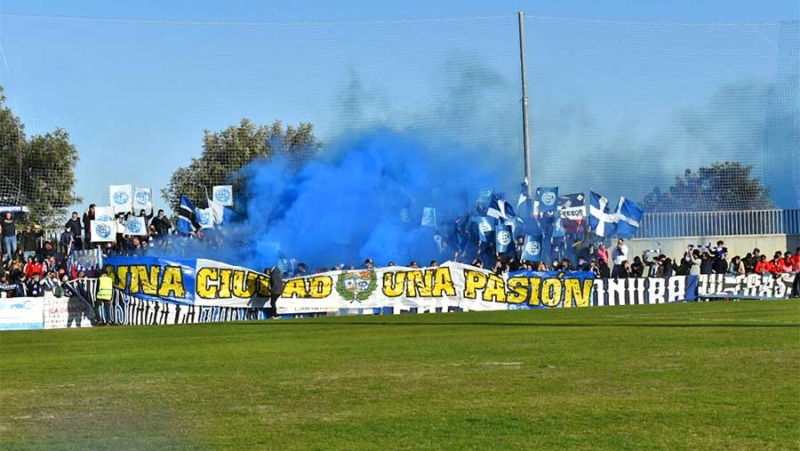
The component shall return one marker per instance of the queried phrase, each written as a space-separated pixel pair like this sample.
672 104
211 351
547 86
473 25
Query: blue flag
548 199
502 211
503 238
187 222
601 221
629 217
485 227
532 251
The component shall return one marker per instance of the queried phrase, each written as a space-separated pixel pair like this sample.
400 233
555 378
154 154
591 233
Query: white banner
63 312
136 225
103 231
121 197
104 213
143 199
21 313
223 195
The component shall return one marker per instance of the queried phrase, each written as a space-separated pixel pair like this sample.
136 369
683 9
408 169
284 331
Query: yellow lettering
295 288
443 283
244 284
551 292
535 291
474 281
320 287
144 282
414 284
207 281
518 290
393 283
495 290
577 294
225 276
172 283
121 281
263 286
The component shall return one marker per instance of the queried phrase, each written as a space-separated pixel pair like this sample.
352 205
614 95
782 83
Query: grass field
722 375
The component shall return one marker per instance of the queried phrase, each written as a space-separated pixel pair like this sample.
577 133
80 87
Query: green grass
722 375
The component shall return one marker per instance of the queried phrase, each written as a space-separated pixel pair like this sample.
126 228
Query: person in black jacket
275 289
162 224
75 228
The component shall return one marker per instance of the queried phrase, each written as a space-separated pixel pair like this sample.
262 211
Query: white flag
103 231
217 211
205 217
223 195
143 199
121 197
104 213
135 225
428 217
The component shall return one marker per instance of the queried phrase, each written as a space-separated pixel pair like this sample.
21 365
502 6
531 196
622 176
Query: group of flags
623 222
191 219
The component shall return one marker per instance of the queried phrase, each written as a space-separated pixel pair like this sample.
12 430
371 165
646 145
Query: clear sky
136 91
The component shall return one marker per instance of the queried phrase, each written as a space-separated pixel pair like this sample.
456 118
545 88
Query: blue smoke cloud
349 203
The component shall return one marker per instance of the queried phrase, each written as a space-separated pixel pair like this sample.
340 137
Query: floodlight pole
525 127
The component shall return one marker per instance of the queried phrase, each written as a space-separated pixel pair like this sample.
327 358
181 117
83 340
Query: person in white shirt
619 255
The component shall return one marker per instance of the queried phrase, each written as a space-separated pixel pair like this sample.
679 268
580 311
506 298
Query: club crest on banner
134 227
121 197
504 237
533 248
356 285
203 217
143 197
104 213
484 227
223 195
103 231
549 198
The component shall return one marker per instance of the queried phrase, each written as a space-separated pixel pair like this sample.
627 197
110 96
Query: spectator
74 227
619 255
275 290
777 265
35 288
161 223
706 264
719 264
602 254
9 231
693 261
29 241
749 263
762 267
88 217
594 268
625 271
33 267
637 267
736 268
66 240
669 268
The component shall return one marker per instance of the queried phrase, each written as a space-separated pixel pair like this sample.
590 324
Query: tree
225 153
38 172
722 186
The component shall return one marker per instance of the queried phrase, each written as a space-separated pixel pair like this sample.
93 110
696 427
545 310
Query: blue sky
136 95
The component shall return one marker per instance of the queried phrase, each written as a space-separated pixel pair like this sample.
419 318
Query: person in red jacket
777 265
795 259
762 266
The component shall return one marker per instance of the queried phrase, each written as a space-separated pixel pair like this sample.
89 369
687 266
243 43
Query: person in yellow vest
103 299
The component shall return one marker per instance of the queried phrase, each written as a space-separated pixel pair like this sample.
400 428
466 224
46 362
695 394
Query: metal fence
716 223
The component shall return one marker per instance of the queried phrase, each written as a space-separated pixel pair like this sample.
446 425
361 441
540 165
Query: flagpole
525 126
